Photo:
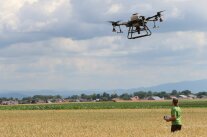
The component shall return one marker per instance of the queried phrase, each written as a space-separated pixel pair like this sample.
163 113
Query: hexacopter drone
137 25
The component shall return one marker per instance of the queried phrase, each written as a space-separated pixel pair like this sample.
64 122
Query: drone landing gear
114 29
120 31
135 32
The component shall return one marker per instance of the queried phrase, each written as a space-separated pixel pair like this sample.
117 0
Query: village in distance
196 90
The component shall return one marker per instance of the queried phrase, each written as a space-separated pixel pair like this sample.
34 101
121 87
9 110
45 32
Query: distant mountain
29 93
13 95
194 86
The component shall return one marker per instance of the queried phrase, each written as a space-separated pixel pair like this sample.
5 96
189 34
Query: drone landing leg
120 31
132 31
129 32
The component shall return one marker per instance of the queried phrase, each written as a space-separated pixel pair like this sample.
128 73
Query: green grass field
108 105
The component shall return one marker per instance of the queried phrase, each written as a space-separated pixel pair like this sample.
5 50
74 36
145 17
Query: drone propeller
159 15
115 23
161 11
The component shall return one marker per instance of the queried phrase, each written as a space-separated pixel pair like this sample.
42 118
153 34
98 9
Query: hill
194 86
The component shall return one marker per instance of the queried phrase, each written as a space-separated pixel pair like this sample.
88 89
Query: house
191 96
171 97
116 99
38 102
97 100
59 100
155 98
48 101
135 98
84 100
10 102
203 97
183 97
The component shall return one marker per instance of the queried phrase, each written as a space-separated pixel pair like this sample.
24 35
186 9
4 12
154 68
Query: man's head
175 101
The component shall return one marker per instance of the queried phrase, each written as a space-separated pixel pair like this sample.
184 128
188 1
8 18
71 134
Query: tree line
102 96
141 94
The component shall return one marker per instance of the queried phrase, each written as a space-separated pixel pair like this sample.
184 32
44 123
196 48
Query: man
175 116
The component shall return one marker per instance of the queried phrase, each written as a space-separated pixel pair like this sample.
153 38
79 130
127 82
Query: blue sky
67 44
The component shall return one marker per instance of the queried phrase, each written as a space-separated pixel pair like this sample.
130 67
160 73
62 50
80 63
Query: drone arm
123 24
151 18
156 17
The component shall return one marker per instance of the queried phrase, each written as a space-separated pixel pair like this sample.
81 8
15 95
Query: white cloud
113 61
8 13
176 13
115 8
32 15
50 43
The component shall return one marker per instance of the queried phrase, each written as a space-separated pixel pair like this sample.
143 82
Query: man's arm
173 118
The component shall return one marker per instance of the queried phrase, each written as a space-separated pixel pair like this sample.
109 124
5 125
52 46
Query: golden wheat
100 123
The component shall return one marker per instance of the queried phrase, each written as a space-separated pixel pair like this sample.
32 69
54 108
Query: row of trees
141 94
104 96
36 98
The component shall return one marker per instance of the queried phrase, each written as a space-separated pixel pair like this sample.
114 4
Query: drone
137 25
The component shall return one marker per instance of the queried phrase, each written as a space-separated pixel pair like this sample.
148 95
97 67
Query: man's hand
172 118
167 120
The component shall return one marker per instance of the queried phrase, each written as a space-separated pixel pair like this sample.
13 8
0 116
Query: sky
69 45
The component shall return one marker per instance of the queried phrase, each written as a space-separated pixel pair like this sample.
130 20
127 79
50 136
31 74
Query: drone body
137 26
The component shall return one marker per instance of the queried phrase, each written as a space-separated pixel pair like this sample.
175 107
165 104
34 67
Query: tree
114 95
149 93
83 96
161 94
201 94
26 100
125 96
174 93
94 96
186 92
98 96
105 96
140 94
74 97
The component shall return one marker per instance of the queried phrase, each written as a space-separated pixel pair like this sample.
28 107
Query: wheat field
100 123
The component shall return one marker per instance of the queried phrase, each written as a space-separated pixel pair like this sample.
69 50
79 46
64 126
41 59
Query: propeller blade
159 13
114 23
